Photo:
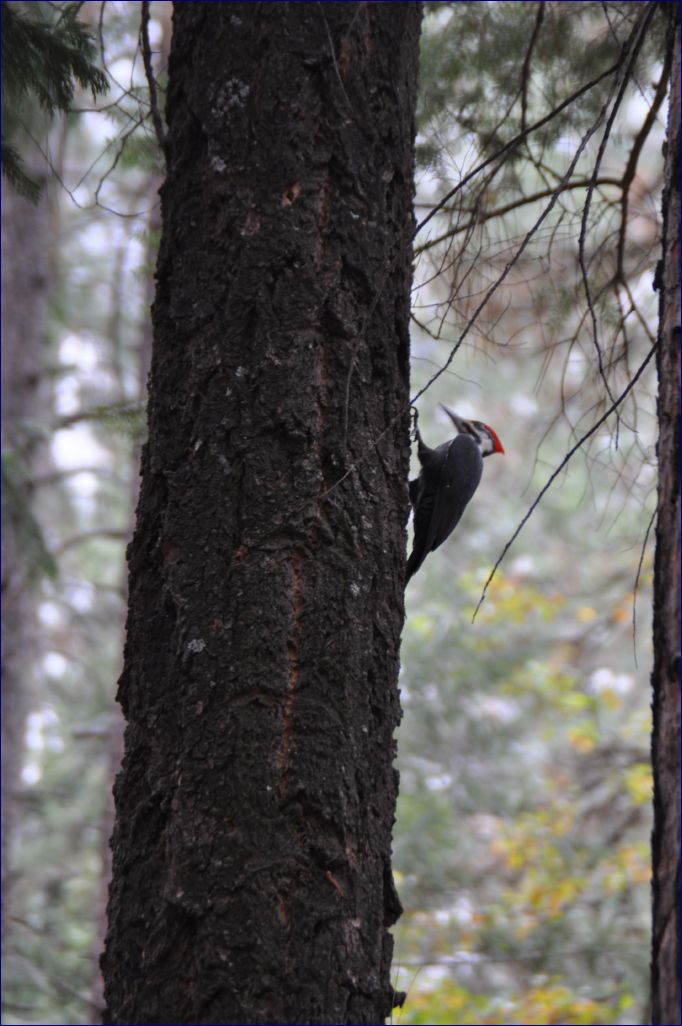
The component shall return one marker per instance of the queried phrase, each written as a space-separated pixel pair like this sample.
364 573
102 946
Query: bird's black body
449 476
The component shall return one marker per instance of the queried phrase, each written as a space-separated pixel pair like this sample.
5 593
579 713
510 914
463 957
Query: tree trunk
665 961
252 879
114 742
26 231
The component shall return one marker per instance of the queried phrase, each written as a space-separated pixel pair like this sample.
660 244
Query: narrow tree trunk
252 878
665 962
25 286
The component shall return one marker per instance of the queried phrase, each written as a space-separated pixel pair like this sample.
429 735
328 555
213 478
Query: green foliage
12 169
472 56
20 522
123 418
44 60
142 151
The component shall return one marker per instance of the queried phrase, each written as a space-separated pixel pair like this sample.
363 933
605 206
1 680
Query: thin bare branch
98 413
526 240
70 193
637 312
631 166
516 204
114 533
631 49
636 584
151 81
569 455
525 70
504 150
47 480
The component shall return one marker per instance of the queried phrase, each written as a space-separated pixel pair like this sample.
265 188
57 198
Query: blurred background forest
522 836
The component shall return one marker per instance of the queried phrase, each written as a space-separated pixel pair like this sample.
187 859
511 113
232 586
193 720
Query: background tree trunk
665 962
26 272
252 878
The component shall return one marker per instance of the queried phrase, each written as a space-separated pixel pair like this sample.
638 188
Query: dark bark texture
665 960
114 740
251 876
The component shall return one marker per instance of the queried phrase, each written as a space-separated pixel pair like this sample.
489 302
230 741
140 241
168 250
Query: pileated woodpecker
448 478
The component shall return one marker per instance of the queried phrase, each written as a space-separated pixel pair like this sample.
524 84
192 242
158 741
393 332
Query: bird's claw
414 426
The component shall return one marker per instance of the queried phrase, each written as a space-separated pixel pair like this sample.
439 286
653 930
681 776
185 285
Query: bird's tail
416 559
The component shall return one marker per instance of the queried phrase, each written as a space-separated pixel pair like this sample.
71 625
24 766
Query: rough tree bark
114 740
665 960
252 877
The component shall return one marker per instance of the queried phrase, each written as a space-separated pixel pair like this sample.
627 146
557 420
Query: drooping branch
516 204
630 52
514 142
71 192
126 411
564 184
567 458
525 70
493 288
524 244
631 166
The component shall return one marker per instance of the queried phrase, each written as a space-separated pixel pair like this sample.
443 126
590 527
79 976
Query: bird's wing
422 497
459 476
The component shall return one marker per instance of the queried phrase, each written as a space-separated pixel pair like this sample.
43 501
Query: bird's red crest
497 444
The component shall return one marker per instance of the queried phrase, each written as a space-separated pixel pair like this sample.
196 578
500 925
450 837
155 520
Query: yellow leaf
611 698
582 740
639 783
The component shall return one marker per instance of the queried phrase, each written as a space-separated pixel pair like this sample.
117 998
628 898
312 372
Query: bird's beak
457 421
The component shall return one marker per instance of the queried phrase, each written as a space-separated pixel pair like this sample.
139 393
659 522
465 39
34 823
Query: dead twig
151 81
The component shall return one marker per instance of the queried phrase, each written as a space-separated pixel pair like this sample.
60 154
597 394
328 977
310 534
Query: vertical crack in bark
294 670
324 208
